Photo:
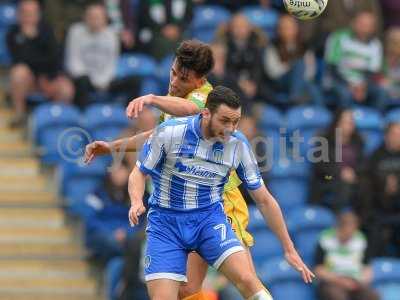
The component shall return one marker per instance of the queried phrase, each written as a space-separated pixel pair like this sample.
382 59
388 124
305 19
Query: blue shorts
172 235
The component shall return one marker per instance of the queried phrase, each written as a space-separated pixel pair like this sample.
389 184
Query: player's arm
136 186
248 172
175 106
130 144
272 213
153 152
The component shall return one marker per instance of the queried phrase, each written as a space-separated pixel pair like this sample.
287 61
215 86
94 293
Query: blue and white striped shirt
190 172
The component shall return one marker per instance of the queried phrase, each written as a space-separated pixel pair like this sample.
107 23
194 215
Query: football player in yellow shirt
187 94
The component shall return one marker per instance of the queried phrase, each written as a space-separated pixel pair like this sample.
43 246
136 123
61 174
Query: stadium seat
163 71
288 181
77 180
138 64
370 124
308 121
266 19
57 132
393 116
256 220
266 246
5 58
105 121
306 224
270 123
150 86
206 20
386 277
8 15
209 17
284 282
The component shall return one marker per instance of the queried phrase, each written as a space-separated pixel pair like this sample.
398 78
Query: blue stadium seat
308 120
266 19
393 116
138 64
105 121
206 20
386 277
57 133
163 72
113 275
8 15
288 181
306 224
284 282
77 180
209 17
256 220
150 86
5 58
370 123
204 35
266 246
270 123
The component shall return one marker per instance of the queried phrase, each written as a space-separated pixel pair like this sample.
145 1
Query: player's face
223 122
183 81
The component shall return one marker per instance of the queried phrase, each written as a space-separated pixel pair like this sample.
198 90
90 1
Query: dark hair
196 56
222 95
330 133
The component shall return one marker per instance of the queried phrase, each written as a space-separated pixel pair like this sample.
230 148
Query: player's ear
206 113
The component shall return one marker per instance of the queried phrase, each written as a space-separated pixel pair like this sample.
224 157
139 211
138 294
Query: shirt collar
197 125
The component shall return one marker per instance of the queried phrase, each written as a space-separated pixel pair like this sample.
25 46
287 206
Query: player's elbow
190 109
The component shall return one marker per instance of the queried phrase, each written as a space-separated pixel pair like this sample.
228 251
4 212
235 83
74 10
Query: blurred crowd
68 52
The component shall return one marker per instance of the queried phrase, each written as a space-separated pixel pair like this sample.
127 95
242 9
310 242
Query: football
305 9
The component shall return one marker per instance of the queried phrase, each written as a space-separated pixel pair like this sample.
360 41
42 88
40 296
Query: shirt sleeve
247 168
153 151
199 98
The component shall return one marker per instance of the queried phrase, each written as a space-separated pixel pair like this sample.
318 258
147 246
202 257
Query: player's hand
96 148
135 107
135 212
294 259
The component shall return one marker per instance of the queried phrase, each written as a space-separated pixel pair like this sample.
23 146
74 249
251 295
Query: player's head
29 12
222 113
193 61
96 16
364 25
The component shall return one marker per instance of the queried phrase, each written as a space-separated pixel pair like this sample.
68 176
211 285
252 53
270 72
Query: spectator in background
383 186
289 66
107 228
341 262
335 179
161 24
337 15
390 79
122 14
35 61
92 52
244 44
61 14
353 56
391 12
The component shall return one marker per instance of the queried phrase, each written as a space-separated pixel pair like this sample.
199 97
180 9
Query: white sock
261 295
